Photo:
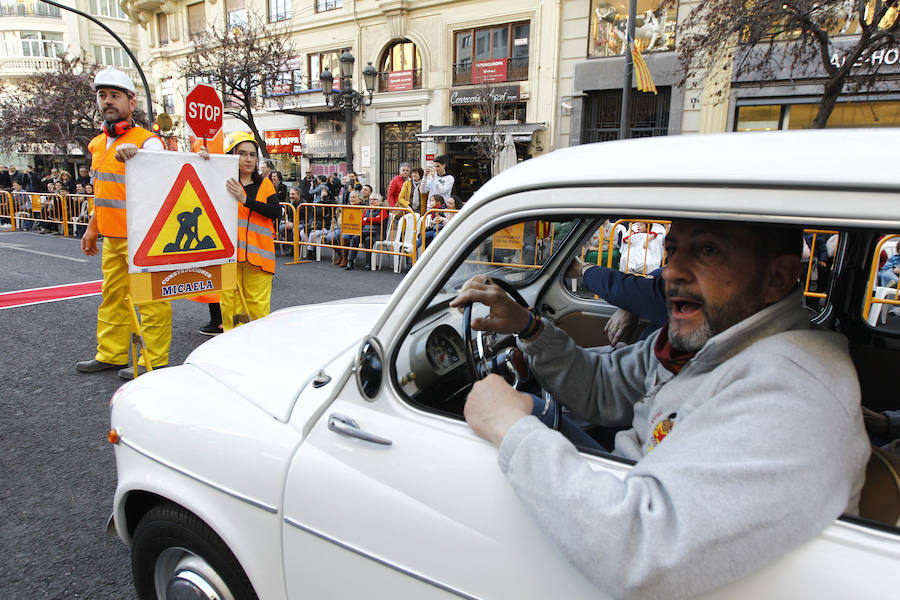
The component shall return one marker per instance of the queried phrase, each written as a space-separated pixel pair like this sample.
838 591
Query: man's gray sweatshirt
755 447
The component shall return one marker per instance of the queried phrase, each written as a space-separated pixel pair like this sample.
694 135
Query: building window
162 29
511 112
37 43
319 62
112 56
167 91
236 14
279 10
773 117
324 5
288 81
654 27
196 18
602 114
491 54
107 8
401 68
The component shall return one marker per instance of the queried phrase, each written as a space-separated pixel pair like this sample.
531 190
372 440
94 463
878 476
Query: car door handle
346 426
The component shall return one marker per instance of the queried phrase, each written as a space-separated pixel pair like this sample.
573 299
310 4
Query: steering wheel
475 354
476 347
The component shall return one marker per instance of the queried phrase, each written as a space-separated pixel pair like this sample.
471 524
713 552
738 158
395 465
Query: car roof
835 159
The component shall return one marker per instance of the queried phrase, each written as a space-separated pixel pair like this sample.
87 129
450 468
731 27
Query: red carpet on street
50 294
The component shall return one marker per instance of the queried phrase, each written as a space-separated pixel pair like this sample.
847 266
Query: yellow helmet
233 139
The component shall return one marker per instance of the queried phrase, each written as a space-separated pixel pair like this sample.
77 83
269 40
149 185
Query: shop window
491 54
654 26
107 8
196 17
602 114
401 68
279 10
472 115
325 5
236 14
162 29
319 62
882 113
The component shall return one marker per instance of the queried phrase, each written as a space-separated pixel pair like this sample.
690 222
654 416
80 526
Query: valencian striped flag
641 72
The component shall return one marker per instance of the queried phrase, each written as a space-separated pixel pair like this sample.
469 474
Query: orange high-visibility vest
256 232
109 180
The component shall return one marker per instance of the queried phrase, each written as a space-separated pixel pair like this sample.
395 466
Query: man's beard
716 318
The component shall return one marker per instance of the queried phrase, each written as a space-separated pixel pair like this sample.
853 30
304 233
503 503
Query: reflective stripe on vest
109 180
256 233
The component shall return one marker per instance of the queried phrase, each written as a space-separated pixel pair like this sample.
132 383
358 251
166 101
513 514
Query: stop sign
203 111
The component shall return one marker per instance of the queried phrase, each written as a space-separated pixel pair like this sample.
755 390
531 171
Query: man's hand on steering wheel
505 316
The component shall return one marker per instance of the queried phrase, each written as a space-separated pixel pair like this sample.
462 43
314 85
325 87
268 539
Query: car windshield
515 253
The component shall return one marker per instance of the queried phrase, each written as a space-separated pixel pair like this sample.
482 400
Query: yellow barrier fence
878 294
652 237
286 239
340 228
7 211
820 236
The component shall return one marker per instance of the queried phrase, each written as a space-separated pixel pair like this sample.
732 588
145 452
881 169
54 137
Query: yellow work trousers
114 320
256 286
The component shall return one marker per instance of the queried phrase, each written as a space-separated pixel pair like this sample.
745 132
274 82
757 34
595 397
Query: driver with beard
746 425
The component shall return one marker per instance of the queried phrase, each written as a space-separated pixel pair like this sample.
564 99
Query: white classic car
358 476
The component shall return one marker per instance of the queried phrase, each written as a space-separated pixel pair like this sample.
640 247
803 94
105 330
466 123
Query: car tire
174 553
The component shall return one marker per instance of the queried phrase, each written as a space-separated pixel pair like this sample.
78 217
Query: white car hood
270 361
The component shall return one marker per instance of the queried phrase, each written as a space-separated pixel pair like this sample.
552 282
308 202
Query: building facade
433 59
35 35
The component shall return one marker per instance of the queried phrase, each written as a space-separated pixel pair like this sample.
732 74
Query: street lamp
347 98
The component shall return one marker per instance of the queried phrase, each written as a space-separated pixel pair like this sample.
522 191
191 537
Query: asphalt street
58 473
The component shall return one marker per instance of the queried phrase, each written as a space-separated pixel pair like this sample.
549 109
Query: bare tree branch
787 39
242 62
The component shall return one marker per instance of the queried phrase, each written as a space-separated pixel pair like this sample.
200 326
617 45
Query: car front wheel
176 556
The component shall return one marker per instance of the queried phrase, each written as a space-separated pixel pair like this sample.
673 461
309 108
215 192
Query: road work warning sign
182 225
178 211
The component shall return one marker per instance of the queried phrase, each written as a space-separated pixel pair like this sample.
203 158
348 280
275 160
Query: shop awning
521 132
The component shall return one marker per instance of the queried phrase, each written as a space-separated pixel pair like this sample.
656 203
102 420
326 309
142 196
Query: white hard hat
111 77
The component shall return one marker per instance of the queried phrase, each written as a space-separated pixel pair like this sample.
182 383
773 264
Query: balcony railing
28 8
467 73
398 81
27 65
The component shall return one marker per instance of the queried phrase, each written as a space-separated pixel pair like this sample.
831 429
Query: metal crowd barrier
68 213
6 208
826 233
286 232
345 224
877 296
612 239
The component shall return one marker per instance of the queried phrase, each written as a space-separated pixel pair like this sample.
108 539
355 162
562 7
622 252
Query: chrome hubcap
180 574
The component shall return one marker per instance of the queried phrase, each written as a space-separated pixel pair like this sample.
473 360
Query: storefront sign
400 81
351 221
510 238
283 141
325 145
877 58
489 71
501 94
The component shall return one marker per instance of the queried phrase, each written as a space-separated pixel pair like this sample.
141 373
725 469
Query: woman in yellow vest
257 208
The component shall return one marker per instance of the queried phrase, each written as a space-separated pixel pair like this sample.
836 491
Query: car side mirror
369 368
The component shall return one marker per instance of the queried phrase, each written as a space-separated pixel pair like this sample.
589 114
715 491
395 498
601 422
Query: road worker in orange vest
257 209
119 141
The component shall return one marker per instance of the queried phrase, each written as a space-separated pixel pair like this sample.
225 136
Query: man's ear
782 274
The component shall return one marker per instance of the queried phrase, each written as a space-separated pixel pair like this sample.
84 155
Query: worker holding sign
257 208
119 141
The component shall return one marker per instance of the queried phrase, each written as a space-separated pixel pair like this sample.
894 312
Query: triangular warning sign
187 227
